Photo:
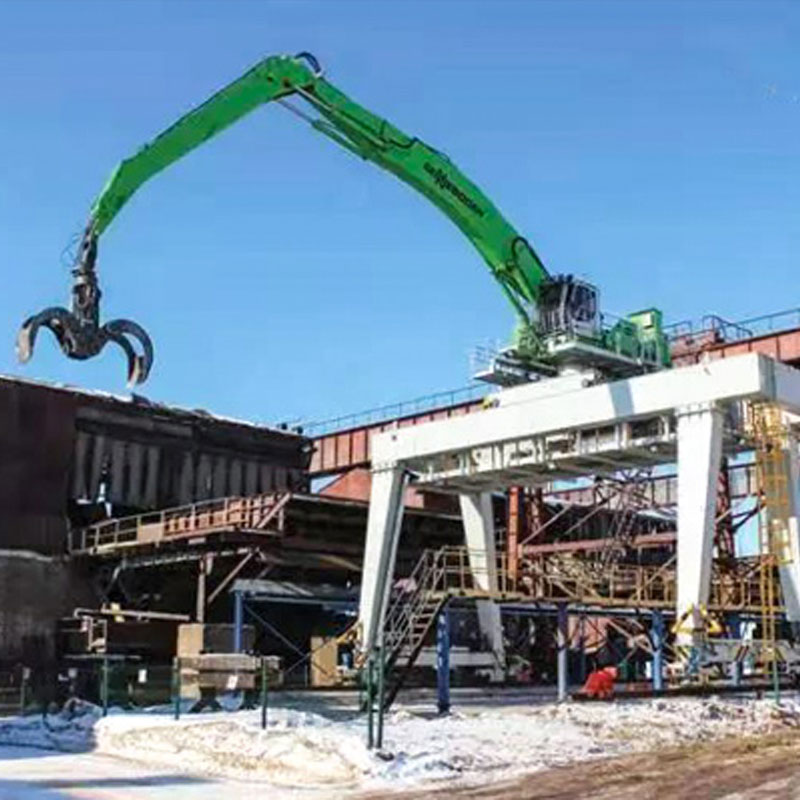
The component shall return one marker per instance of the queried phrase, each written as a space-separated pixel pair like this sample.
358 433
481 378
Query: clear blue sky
651 147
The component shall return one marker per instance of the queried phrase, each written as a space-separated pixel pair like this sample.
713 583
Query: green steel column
263 693
23 689
176 687
104 685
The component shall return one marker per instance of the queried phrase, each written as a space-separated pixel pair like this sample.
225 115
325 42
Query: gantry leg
383 530
478 518
790 570
699 455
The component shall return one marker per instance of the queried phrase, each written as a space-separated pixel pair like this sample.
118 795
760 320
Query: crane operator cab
574 334
571 334
569 307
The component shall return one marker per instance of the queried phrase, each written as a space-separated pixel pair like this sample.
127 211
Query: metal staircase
442 574
413 609
628 501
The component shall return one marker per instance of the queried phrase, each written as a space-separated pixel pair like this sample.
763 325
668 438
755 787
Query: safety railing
624 585
457 571
722 330
404 408
234 514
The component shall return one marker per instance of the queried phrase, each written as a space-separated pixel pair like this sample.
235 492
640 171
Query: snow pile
70 730
298 748
485 743
647 725
306 750
229 748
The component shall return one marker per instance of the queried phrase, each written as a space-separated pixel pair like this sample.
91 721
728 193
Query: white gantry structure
570 426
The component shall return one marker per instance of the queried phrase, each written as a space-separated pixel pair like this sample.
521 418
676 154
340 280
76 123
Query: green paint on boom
511 259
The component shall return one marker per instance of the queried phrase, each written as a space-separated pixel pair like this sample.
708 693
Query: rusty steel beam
647 540
229 578
341 450
783 346
516 521
661 491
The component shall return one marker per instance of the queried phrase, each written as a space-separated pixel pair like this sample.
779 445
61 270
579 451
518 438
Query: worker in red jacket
600 683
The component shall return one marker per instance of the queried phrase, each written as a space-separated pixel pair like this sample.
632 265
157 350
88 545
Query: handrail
553 577
207 516
403 408
736 331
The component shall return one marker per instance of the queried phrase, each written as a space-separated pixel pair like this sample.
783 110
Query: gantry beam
542 431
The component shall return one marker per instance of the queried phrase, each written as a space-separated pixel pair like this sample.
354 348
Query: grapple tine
26 338
78 330
122 331
56 319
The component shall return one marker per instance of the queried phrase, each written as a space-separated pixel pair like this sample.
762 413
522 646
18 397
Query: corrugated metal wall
63 449
147 476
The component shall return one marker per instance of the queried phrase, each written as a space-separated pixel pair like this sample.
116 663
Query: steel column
477 514
790 571
582 638
204 566
238 621
383 530
443 661
658 650
200 607
516 510
735 632
562 641
699 456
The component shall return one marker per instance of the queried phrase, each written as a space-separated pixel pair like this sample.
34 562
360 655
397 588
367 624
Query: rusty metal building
69 456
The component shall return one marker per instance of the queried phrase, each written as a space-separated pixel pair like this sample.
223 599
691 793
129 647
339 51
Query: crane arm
269 80
512 261
558 318
509 256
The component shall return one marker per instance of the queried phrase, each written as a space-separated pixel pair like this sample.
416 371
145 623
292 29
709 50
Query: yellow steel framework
771 439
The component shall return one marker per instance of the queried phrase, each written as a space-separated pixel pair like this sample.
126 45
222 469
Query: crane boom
510 258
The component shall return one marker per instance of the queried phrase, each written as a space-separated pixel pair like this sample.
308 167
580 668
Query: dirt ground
764 768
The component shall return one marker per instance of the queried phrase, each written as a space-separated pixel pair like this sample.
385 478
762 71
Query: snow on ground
303 749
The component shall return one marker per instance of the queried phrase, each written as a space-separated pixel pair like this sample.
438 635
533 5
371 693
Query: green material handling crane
559 323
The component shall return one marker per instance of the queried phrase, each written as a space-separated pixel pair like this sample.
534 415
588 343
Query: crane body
559 325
